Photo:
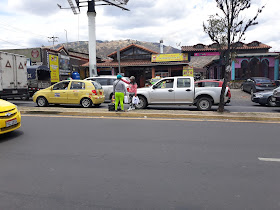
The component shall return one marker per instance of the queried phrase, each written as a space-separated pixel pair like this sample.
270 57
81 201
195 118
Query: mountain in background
105 48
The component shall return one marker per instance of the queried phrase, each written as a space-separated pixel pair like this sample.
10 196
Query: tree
226 29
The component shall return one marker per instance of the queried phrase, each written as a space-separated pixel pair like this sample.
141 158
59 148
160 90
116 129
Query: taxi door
163 92
58 95
77 89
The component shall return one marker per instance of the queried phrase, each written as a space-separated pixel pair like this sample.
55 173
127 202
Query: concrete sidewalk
146 113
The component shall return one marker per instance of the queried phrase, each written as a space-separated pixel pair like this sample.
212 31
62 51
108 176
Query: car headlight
258 95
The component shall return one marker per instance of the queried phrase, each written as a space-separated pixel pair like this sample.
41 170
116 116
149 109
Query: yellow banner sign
53 61
169 57
188 71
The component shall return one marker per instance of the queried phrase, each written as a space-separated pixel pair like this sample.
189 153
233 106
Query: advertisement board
207 54
64 65
54 68
170 57
188 71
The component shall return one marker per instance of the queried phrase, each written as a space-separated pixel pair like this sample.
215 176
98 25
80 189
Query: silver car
107 84
264 98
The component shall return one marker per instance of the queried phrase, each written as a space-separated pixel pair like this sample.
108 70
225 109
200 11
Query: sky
29 23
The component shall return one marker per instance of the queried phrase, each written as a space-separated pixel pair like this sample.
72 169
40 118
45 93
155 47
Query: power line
12 43
18 29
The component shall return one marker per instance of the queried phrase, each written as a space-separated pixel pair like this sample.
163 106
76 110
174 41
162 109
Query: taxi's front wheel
42 101
86 103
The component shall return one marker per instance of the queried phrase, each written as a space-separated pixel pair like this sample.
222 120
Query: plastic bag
125 100
135 100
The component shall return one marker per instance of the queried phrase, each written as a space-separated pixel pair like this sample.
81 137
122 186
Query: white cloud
28 23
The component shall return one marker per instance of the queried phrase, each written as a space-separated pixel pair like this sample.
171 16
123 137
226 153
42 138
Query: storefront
136 60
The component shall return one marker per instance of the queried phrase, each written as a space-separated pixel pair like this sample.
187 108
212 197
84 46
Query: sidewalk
146 113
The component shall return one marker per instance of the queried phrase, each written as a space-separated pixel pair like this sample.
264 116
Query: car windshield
263 80
96 85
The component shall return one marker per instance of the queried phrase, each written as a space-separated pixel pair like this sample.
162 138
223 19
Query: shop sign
53 61
35 53
207 54
188 71
169 57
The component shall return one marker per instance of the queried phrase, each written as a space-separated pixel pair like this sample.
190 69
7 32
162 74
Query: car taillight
273 84
229 93
127 89
94 92
258 84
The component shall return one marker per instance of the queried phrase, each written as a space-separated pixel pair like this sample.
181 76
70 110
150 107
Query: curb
156 115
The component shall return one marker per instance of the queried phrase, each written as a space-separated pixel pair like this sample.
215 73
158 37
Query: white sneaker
129 109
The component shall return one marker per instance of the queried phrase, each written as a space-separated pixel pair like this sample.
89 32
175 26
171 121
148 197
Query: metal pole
66 39
92 38
119 59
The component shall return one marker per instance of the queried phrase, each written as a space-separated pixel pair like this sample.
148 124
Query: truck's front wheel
204 104
142 103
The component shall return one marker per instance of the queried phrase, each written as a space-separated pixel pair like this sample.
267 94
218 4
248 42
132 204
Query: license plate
14 91
11 122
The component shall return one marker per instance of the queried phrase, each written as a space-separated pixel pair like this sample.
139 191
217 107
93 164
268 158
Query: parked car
264 98
256 84
276 96
212 83
10 118
179 90
107 84
86 93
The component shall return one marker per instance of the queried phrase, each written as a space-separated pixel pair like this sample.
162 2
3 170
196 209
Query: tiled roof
133 45
136 63
208 48
201 61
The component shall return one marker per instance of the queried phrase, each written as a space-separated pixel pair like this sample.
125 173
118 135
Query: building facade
252 60
136 60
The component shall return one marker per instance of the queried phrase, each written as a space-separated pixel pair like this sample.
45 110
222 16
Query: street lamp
66 39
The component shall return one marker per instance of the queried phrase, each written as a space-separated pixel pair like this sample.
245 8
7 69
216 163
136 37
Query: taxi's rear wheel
86 103
42 101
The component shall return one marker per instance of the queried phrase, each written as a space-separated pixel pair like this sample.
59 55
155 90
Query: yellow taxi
85 93
10 118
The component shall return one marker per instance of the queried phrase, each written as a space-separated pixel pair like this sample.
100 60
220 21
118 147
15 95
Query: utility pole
53 39
66 39
75 5
92 38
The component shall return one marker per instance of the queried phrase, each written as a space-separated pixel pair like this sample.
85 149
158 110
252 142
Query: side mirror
51 88
154 87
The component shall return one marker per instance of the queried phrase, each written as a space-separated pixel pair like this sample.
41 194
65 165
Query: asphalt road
237 105
75 163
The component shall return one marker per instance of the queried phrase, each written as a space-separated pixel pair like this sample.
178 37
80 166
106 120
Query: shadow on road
10 136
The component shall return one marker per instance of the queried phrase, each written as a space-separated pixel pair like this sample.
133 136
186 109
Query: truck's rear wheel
42 101
204 104
142 103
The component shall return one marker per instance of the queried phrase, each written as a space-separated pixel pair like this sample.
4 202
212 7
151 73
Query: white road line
269 159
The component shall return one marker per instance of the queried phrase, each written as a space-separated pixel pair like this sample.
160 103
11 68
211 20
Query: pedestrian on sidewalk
119 92
132 89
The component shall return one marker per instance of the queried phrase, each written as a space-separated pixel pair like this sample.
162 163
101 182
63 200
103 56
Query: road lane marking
155 119
269 159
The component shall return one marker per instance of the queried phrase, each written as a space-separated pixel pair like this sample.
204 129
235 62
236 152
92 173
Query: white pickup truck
179 91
